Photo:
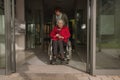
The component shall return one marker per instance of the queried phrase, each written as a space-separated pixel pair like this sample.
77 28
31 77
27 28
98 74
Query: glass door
81 37
106 38
33 25
9 36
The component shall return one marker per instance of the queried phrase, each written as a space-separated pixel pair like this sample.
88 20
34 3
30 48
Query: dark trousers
58 44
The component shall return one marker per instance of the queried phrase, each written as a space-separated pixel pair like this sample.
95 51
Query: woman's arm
66 33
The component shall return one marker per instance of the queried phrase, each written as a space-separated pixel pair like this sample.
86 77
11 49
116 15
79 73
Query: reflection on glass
2 36
108 34
31 36
33 27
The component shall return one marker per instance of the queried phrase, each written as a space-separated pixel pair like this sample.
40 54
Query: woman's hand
60 37
57 35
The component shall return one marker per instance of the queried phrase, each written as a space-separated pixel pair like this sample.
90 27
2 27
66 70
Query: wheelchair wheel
69 51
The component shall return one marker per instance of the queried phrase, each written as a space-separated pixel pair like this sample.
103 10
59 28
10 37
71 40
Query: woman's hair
60 20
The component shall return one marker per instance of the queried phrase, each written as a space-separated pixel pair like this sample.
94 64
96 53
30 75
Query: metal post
13 38
88 35
9 37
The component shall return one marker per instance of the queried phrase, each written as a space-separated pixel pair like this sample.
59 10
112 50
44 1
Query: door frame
91 54
10 37
95 71
88 35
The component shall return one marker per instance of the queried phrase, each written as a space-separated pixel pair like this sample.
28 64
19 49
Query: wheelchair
67 53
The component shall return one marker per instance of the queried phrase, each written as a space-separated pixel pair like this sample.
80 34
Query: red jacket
64 32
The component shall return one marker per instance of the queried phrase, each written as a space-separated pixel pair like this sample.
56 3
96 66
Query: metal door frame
95 71
9 37
88 35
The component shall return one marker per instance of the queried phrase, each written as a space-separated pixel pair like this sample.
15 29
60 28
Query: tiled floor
37 68
56 76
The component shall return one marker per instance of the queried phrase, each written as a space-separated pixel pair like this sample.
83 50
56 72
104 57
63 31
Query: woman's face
60 23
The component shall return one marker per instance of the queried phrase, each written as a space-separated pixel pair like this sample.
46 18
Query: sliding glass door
106 37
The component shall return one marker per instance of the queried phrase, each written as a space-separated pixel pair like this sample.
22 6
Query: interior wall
20 10
19 25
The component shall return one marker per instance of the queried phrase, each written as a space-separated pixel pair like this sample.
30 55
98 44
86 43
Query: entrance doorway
39 25
92 40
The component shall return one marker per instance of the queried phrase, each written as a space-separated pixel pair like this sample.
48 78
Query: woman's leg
55 48
61 46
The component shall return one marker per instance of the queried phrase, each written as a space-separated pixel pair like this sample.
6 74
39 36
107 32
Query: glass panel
108 38
81 34
2 36
78 38
30 36
33 26
33 30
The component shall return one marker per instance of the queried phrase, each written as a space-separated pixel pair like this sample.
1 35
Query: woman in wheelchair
60 35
